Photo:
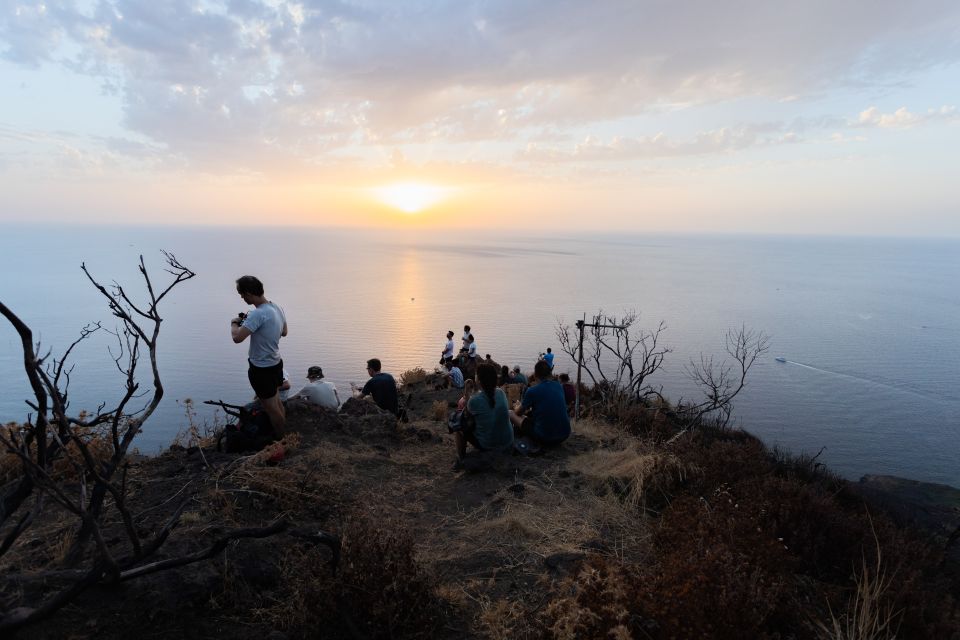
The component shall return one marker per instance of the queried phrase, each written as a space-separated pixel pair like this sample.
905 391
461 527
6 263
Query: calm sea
869 328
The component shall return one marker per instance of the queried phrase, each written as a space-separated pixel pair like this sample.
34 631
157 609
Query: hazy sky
759 116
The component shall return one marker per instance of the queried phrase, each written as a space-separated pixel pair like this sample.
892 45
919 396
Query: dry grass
635 474
438 410
869 615
597 430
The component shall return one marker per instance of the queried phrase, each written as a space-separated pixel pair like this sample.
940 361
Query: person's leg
461 445
278 416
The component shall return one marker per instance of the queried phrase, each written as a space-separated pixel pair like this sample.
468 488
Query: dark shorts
265 380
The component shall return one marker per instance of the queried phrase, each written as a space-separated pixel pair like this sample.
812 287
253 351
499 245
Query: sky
747 116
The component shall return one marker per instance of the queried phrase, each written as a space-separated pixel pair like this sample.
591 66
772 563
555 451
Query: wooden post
580 325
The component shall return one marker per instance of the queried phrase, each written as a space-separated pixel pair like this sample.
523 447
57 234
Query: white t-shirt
320 392
472 350
448 350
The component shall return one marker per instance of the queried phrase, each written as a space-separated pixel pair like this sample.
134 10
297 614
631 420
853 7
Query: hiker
382 387
542 415
264 325
490 430
504 376
318 391
447 354
454 377
466 339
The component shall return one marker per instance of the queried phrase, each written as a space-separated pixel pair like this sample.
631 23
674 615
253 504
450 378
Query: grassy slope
612 535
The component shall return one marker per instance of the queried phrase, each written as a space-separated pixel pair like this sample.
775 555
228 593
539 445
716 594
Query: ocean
869 328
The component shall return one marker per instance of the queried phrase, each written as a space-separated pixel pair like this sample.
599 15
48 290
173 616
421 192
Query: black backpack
251 432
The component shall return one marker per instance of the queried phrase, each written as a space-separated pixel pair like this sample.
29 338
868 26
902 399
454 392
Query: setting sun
411 197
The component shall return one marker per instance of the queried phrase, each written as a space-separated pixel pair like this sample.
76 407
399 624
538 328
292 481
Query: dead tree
60 464
618 363
722 382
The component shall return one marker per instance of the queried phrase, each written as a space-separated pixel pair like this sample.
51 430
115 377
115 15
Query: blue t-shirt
551 424
548 358
265 324
494 431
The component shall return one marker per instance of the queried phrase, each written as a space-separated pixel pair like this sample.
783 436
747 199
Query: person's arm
337 397
366 389
283 334
237 332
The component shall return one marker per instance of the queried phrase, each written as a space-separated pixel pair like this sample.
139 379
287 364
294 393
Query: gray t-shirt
265 324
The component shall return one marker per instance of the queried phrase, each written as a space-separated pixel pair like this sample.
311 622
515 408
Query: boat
780 359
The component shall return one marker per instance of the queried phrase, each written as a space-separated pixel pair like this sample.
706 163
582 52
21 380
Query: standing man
382 387
264 325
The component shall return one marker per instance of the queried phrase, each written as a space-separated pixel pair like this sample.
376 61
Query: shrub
413 376
439 409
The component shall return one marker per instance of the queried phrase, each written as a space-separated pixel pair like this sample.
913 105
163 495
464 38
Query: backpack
251 432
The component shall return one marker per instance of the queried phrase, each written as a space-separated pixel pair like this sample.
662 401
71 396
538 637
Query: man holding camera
264 325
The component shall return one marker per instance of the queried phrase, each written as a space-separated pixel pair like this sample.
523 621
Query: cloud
902 118
244 84
661 146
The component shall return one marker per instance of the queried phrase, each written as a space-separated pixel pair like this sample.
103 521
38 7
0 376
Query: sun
411 197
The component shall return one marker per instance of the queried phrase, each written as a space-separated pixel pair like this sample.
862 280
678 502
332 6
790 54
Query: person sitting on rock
468 388
504 377
518 377
382 387
318 391
490 430
569 391
542 415
454 377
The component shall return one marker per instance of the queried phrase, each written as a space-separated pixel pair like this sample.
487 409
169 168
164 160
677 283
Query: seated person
382 387
569 391
472 349
491 430
518 377
504 376
542 415
468 388
284 388
318 391
454 377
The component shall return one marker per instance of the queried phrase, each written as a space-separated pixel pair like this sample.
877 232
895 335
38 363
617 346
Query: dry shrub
380 590
718 574
514 392
597 602
413 376
506 620
638 477
438 410
721 460
382 584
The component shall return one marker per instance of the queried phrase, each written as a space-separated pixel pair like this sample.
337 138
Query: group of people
540 416
264 325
